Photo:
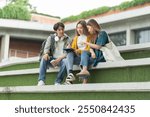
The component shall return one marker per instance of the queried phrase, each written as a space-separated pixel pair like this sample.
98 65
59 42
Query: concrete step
135 90
104 65
136 70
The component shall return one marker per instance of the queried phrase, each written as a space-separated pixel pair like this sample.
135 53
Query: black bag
51 47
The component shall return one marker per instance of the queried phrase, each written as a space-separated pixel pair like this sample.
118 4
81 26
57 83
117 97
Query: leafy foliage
87 14
16 9
126 5
101 10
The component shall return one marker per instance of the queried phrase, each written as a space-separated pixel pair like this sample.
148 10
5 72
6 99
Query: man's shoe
68 83
70 77
41 83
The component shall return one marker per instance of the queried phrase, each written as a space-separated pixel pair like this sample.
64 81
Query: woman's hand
93 55
85 42
94 46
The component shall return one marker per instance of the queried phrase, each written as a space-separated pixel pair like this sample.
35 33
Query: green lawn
20 66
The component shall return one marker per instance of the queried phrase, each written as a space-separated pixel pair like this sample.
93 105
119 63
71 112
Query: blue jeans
45 64
83 60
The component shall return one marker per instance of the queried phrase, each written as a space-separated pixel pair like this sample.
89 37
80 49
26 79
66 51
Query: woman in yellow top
81 54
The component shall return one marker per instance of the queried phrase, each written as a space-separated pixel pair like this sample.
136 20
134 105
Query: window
142 36
119 39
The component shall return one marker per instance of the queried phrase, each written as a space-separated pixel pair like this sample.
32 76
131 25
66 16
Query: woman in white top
81 54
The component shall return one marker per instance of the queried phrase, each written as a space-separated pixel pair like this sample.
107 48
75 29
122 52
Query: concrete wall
4 47
25 32
127 25
44 19
126 21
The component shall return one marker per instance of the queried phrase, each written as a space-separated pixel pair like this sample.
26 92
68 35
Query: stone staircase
129 79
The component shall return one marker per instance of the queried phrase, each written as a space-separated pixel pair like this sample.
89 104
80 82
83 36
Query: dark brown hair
57 25
94 24
84 25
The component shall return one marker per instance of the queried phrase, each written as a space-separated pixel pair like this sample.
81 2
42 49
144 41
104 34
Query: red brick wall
24 48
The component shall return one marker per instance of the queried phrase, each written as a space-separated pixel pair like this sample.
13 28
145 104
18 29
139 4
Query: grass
78 96
127 74
20 66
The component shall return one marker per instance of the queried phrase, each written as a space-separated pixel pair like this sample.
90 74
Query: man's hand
55 62
68 46
78 51
46 57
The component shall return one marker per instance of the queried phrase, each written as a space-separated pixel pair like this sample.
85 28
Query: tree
19 2
16 9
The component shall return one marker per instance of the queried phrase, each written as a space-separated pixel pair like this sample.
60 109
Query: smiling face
60 31
80 29
90 29
93 27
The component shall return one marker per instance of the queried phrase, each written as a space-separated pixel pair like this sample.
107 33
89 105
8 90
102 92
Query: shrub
87 14
101 10
15 11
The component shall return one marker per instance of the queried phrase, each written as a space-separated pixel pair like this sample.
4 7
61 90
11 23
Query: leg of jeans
84 59
77 60
90 61
43 67
62 71
69 61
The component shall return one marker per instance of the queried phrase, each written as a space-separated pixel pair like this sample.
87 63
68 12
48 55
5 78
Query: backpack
51 47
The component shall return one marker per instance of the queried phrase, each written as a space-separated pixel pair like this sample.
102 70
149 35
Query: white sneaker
68 83
57 83
41 83
70 77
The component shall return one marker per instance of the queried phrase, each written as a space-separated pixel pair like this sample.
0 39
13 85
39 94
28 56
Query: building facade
22 39
44 19
126 27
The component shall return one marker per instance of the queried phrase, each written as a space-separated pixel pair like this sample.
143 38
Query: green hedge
15 12
87 14
126 5
101 10
77 96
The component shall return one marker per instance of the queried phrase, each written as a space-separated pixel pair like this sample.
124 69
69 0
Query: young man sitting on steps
54 54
